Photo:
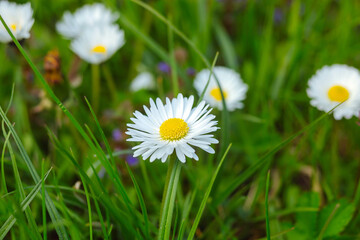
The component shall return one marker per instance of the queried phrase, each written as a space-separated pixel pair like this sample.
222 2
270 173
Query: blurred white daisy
175 126
144 80
334 84
232 86
88 16
98 44
19 19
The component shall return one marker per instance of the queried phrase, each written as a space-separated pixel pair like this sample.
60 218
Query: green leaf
306 221
334 218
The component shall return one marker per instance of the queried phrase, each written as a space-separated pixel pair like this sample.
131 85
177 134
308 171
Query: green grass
313 191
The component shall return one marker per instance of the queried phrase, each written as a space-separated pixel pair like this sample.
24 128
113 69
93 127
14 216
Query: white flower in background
19 19
232 86
334 84
98 44
144 80
72 25
173 127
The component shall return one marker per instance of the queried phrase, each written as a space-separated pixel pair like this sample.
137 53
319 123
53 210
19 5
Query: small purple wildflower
132 161
278 15
164 67
117 135
190 72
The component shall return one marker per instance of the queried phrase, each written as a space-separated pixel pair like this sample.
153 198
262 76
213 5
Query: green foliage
330 221
313 191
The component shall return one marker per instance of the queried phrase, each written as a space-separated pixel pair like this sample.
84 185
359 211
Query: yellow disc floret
338 93
99 49
215 92
13 27
173 129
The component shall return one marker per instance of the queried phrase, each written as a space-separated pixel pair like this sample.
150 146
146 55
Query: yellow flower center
215 92
173 129
338 93
13 27
99 49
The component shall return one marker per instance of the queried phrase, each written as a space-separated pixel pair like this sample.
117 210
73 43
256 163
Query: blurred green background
276 46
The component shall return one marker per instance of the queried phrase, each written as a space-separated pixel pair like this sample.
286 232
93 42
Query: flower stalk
169 200
95 74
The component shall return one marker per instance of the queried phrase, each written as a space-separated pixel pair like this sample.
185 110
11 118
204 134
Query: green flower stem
109 81
174 78
169 200
95 86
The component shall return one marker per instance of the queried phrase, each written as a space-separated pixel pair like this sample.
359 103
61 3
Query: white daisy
232 86
72 25
334 84
98 44
175 126
144 80
19 19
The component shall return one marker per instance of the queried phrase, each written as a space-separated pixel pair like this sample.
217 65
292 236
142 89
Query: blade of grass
208 81
3 180
113 171
206 196
70 218
257 165
267 206
34 232
101 193
177 31
141 201
170 184
186 210
226 45
174 78
24 204
43 200
103 227
152 44
323 229
89 207
48 89
119 186
54 214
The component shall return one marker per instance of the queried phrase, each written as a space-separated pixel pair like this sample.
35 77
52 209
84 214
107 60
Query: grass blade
24 204
141 201
257 165
43 204
207 194
89 207
267 206
54 214
34 232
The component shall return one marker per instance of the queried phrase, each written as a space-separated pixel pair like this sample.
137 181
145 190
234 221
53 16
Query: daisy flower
98 44
232 86
88 16
144 80
332 85
172 127
19 19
